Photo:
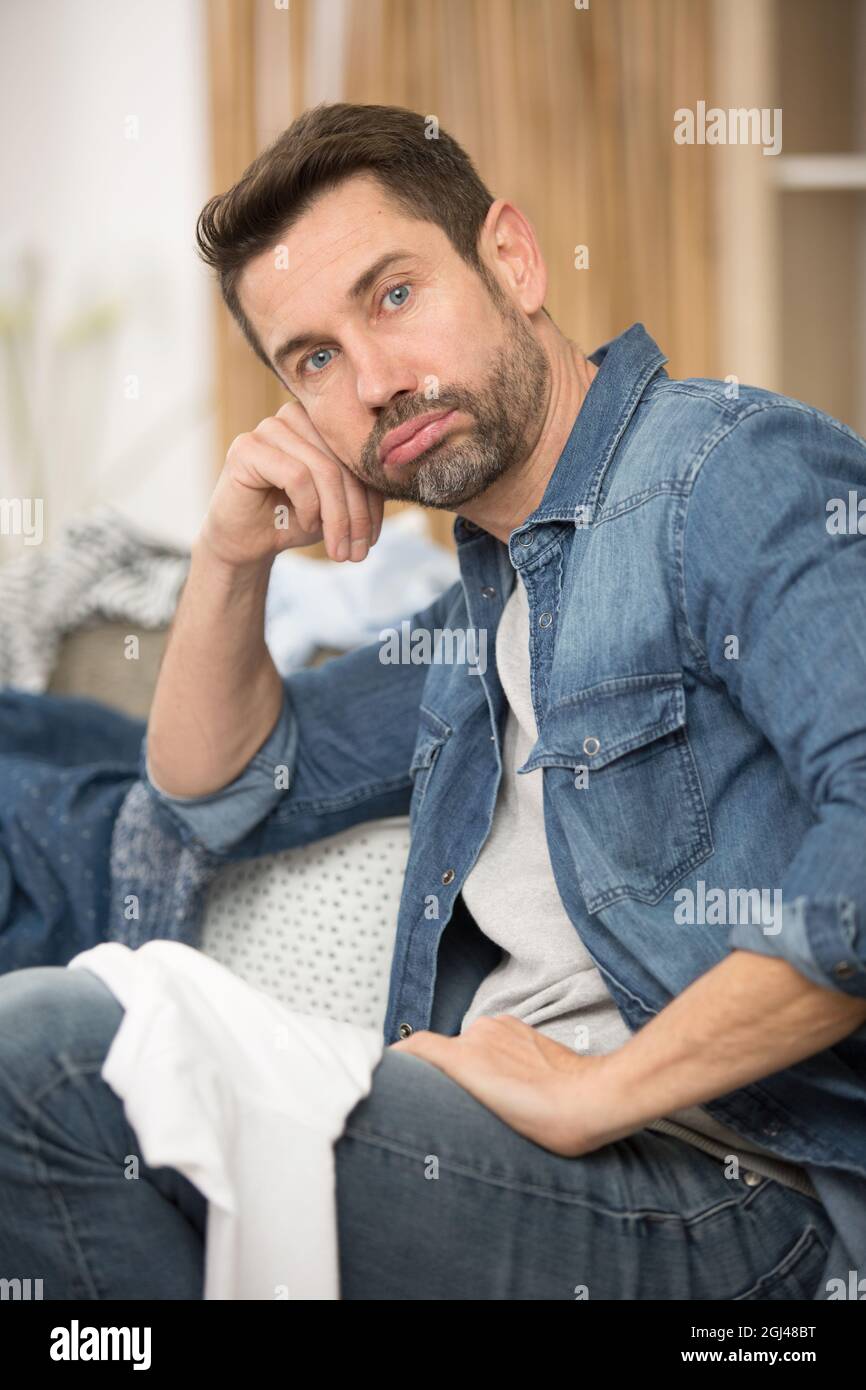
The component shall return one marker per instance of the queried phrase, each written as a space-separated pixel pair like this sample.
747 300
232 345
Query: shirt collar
626 364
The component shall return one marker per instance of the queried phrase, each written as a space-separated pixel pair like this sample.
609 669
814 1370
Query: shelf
813 173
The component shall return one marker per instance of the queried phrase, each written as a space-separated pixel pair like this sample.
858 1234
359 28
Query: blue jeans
66 765
647 1217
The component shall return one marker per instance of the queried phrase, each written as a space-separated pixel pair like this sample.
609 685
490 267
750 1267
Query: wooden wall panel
568 112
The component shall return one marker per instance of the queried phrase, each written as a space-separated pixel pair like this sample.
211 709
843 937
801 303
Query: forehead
308 272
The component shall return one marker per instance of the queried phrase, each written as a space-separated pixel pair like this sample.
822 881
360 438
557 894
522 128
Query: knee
405 1093
48 1010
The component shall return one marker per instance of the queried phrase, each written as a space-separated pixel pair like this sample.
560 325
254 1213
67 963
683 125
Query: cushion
314 927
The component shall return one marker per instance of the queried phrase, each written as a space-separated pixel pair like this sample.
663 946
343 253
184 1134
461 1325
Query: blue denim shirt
696 577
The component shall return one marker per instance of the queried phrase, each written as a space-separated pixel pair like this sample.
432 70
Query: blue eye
320 352
396 289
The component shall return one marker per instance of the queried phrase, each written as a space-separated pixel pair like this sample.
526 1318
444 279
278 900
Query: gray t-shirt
546 976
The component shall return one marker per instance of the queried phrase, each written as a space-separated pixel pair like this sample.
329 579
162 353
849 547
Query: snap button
751 1179
591 746
406 1030
526 538
844 970
545 620
488 591
448 876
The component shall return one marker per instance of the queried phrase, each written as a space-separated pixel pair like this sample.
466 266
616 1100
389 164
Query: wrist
609 1105
229 574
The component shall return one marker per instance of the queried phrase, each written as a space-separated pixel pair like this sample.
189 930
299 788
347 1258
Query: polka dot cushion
314 927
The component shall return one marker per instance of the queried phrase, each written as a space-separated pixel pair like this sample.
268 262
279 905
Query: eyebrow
357 291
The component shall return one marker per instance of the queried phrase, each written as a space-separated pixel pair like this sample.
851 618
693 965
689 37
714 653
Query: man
637 1079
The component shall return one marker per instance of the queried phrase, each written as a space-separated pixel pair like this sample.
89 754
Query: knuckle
237 445
328 471
294 473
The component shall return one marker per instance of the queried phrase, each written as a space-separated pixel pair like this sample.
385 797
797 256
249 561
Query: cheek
458 342
341 422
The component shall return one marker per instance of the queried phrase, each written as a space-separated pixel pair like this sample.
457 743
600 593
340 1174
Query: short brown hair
423 170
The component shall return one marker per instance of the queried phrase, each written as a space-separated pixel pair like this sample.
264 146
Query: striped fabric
102 570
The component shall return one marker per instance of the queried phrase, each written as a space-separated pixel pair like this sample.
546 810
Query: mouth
414 438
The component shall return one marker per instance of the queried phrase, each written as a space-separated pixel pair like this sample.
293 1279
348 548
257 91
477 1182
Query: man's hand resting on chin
285 464
219 694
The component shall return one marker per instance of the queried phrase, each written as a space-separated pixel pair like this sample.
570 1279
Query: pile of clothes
81 841
79 835
105 569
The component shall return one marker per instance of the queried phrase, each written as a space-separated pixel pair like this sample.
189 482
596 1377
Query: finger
360 516
327 476
376 503
296 418
292 475
352 521
334 509
315 492
433 1047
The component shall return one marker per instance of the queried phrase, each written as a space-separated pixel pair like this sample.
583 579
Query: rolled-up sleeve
338 755
760 563
802 922
224 817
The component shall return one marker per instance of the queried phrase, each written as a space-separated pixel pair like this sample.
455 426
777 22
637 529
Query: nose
382 375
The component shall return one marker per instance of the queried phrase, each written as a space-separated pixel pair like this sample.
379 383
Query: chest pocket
625 788
433 732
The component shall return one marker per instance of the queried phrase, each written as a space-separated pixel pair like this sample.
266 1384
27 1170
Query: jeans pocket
796 1275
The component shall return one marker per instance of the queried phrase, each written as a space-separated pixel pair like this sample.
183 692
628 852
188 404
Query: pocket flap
432 733
600 724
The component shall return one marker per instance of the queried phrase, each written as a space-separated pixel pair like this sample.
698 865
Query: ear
509 247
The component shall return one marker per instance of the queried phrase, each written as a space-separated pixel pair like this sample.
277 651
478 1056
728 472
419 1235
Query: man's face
389 325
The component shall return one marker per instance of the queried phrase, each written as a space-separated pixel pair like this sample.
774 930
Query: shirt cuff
818 938
219 819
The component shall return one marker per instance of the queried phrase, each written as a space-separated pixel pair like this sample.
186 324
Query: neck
515 495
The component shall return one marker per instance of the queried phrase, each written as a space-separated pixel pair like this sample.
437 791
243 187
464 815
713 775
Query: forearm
748 1017
219 694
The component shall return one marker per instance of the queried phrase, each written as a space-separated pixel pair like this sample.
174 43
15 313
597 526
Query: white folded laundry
246 1098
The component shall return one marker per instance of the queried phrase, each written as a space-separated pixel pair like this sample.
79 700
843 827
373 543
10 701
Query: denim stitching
569 1199
43 1175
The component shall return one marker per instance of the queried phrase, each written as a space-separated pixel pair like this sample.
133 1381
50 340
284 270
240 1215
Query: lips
414 437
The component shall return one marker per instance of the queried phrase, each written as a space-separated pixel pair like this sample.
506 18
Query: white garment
312 605
246 1098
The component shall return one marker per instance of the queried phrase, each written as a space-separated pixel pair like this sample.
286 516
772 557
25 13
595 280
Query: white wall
104 168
